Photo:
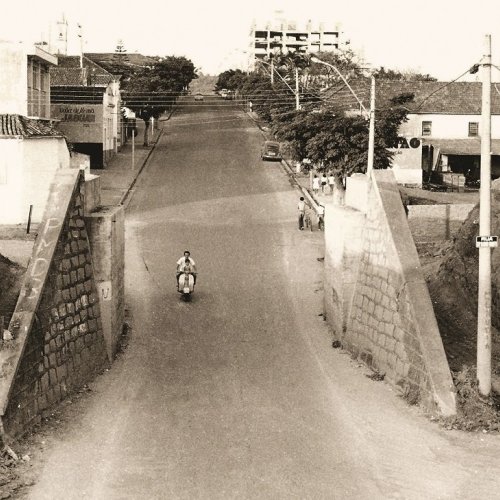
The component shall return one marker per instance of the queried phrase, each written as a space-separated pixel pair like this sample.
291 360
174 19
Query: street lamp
369 114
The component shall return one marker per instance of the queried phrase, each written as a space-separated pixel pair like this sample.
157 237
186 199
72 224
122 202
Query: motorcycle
186 285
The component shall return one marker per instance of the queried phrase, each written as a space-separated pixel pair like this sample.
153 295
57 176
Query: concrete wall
57 341
13 78
28 166
81 161
376 299
446 126
107 239
436 222
92 193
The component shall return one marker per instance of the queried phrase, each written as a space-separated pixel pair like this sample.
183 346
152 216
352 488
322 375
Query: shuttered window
426 128
473 129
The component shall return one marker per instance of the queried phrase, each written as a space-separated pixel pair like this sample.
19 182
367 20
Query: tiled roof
68 76
94 74
453 98
17 125
116 63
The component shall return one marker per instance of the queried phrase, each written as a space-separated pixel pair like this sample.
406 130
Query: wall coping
62 189
385 188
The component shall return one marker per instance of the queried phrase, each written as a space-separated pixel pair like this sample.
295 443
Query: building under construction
283 36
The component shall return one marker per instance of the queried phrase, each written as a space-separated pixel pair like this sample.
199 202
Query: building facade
441 139
25 79
286 36
32 149
85 98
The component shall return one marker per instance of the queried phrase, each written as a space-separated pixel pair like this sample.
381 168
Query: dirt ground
450 269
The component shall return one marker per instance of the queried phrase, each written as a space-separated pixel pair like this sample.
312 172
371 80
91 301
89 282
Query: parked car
271 150
223 93
198 96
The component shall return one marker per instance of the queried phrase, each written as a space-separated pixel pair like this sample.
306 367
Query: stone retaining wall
57 340
376 299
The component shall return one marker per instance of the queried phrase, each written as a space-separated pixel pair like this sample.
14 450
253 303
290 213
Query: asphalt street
239 394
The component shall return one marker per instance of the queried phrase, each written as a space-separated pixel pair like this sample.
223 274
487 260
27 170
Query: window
426 128
473 129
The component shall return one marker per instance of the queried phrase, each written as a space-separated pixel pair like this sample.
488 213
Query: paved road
239 394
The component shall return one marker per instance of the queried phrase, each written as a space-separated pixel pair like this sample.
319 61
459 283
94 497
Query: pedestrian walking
324 182
331 182
315 184
302 211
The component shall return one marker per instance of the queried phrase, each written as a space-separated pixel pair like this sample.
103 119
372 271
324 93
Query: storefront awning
462 147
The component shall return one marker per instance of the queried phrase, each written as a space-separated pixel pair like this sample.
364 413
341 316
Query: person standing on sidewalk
331 182
302 211
324 182
315 184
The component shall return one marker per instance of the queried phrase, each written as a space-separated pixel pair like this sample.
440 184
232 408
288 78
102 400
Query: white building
31 148
441 138
86 99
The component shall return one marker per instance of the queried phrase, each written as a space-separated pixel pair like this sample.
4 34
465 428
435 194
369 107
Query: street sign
486 241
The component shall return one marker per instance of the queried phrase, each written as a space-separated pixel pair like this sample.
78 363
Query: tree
408 75
230 79
329 136
153 89
339 142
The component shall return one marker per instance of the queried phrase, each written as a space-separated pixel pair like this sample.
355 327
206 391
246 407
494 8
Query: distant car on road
198 96
223 93
271 150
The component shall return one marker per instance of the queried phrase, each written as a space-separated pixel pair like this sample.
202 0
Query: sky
440 37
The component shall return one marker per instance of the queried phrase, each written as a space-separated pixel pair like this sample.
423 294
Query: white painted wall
111 117
447 126
28 166
13 78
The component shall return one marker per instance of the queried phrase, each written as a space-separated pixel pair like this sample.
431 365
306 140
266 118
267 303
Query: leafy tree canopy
408 75
331 138
230 79
153 89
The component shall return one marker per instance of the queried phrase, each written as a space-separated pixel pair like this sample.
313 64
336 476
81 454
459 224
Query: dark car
271 151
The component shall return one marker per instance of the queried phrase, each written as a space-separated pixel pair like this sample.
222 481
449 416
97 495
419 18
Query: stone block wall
373 281
58 342
437 222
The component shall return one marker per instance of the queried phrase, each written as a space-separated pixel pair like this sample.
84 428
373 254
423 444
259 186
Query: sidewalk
301 181
119 177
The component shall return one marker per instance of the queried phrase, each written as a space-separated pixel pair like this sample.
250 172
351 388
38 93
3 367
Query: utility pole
297 99
272 70
80 35
484 276
371 134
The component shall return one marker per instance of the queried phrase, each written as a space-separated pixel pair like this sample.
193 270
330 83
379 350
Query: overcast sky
440 37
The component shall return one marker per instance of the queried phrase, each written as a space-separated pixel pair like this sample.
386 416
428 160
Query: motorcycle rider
182 263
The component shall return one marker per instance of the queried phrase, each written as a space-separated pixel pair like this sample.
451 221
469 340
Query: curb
125 199
289 170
